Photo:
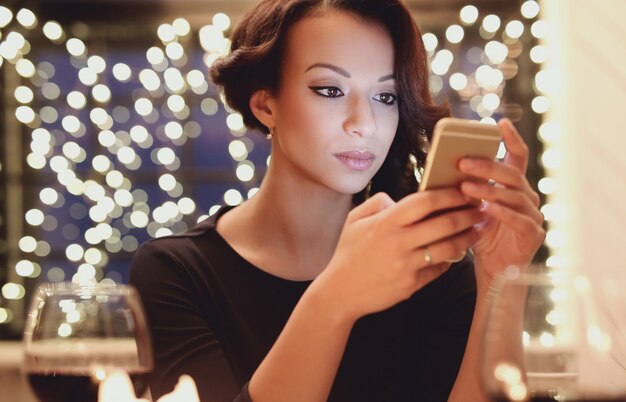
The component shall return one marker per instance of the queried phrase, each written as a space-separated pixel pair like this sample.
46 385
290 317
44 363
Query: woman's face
336 113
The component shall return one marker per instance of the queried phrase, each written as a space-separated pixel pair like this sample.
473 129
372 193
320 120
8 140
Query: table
13 385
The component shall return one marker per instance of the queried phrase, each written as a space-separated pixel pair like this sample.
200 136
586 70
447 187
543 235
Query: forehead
341 38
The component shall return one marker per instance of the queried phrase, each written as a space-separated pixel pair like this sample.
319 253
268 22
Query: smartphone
454 139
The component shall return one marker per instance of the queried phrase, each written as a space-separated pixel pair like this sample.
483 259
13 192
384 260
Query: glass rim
84 289
537 275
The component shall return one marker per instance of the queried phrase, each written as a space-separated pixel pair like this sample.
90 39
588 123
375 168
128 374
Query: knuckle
382 200
536 198
382 197
449 222
541 233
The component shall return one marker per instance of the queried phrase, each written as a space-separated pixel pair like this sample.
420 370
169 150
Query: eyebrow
344 72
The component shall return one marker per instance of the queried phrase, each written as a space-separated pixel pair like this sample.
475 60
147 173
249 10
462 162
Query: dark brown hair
258 49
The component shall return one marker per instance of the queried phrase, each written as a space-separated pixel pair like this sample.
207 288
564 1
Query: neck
301 219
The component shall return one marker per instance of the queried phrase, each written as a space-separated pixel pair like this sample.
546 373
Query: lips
356 160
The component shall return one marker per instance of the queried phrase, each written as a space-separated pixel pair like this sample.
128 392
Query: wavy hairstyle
258 50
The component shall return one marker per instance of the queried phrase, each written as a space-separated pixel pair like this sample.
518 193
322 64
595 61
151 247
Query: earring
423 142
270 134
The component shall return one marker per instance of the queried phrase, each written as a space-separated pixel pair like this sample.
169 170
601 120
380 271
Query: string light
13 291
491 23
53 31
26 18
530 9
454 33
5 16
43 144
514 29
181 27
114 206
430 42
221 21
496 64
469 14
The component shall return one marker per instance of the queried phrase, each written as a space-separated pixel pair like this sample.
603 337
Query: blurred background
111 132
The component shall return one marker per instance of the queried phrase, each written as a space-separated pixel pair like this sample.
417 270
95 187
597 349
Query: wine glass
551 336
76 333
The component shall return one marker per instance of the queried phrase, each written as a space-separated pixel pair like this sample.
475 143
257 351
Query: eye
386 98
328 92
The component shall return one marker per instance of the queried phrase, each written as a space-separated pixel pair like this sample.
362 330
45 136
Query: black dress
214 316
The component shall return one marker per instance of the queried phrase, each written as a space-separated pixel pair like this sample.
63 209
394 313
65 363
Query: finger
514 199
441 227
369 207
458 258
519 222
447 249
415 207
516 148
501 173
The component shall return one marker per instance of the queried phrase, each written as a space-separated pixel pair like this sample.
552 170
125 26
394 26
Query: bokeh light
108 211
469 14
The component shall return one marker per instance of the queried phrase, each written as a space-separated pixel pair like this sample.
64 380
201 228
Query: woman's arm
468 381
379 262
510 235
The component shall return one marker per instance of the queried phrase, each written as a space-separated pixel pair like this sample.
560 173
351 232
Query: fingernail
466 164
484 205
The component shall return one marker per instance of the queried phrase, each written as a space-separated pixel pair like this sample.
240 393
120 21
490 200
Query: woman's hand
512 230
387 250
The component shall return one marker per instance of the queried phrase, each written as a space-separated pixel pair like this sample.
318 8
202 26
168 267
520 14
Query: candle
117 387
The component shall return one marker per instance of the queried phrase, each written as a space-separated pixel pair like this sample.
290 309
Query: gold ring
427 256
459 258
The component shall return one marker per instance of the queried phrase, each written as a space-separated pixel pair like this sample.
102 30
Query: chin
352 188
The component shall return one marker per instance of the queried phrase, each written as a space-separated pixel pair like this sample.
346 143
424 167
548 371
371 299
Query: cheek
388 123
299 112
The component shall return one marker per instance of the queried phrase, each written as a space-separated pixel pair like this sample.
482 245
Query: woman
311 290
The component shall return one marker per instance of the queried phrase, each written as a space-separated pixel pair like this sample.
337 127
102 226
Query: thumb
371 206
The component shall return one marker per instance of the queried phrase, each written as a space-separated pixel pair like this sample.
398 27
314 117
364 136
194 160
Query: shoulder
175 255
176 245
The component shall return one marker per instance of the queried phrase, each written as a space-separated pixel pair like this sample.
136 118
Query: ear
263 107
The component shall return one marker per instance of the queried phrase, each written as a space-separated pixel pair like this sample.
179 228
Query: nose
360 118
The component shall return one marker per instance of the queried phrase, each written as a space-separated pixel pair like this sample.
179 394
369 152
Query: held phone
454 139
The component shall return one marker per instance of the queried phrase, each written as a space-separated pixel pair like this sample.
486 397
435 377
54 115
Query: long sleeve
214 315
184 341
